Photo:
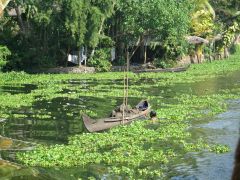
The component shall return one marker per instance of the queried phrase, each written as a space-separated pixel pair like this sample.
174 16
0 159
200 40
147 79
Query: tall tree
163 21
202 18
55 26
202 23
86 25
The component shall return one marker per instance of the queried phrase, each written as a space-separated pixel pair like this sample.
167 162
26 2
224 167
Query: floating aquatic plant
142 149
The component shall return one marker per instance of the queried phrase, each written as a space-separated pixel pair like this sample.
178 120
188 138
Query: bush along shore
141 149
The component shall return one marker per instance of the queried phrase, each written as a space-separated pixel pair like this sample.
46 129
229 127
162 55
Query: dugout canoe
178 69
139 112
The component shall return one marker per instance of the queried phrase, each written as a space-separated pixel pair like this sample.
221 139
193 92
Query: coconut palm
202 18
202 23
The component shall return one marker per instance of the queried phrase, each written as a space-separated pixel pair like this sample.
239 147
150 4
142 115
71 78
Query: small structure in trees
198 42
78 57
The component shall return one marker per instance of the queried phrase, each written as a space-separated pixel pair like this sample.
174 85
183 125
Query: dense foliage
100 60
57 28
163 22
54 28
4 52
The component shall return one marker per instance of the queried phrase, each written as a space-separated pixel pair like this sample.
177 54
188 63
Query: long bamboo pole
127 83
124 96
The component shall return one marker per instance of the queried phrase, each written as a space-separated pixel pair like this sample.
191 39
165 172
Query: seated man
143 106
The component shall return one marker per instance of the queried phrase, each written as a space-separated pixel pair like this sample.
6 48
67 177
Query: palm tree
202 23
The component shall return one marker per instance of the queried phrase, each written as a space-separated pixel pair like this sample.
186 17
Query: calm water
34 127
207 166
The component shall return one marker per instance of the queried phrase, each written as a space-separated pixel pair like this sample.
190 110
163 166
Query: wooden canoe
178 69
138 112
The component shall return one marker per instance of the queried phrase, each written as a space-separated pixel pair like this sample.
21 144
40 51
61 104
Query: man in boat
143 106
153 116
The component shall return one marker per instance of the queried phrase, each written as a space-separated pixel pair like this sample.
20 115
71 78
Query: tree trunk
138 44
199 52
142 49
20 21
99 32
145 54
79 57
237 39
226 52
45 41
92 53
119 30
68 52
85 63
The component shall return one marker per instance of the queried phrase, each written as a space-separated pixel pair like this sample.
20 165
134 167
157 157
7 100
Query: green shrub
160 63
120 61
235 48
4 52
100 60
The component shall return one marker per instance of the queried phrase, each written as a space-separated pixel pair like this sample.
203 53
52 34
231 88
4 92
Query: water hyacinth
142 149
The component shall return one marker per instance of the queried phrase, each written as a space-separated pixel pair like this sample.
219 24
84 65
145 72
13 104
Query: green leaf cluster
4 53
100 60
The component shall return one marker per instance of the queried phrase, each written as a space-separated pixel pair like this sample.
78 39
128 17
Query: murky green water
53 121
224 129
25 88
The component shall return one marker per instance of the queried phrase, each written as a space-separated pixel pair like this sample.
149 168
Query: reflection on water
24 88
7 144
55 120
9 147
9 170
209 86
